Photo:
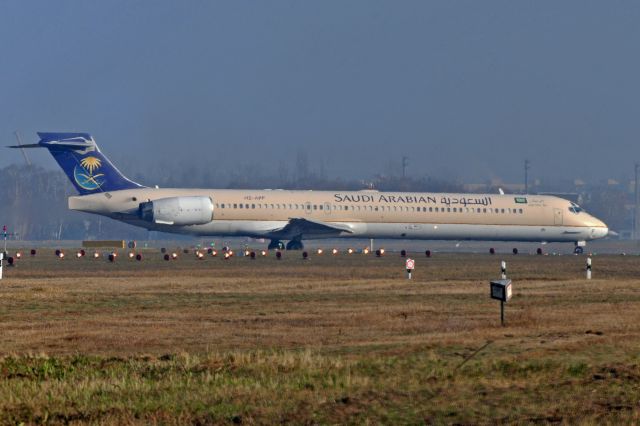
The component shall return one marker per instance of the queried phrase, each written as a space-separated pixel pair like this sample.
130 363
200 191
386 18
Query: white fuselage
363 214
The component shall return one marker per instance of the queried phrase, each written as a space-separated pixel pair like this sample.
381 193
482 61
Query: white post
588 268
503 269
1 257
371 245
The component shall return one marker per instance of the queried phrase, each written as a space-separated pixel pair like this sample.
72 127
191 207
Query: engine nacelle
177 211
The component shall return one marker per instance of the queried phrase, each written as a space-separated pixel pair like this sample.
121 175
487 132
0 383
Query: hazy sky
466 89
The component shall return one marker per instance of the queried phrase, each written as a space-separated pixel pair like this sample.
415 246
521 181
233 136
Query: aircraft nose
599 229
601 232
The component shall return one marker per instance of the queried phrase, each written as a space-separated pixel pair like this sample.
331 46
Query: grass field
334 339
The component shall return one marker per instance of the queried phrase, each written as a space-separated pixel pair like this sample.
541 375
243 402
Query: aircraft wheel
578 250
275 245
295 245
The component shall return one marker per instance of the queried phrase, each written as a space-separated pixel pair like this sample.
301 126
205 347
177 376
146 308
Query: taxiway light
247 252
131 255
200 256
230 252
263 253
18 255
214 253
58 253
334 251
226 255
96 255
112 257
174 256
78 255
365 250
61 255
33 252
319 251
350 251
82 252
138 257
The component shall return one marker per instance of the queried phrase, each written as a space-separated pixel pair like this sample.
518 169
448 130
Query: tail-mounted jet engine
177 211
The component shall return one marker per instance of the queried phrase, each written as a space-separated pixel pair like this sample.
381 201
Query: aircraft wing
305 227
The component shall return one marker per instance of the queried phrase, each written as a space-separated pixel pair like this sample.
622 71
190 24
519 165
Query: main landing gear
295 245
579 247
276 245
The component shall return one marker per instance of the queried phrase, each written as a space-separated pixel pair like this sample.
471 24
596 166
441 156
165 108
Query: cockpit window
574 208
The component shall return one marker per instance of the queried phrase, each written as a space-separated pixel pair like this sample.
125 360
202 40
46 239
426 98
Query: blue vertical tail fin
85 166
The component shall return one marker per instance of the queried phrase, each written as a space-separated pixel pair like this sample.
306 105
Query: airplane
294 216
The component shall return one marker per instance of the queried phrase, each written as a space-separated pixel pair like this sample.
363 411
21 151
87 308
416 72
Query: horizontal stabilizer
31 145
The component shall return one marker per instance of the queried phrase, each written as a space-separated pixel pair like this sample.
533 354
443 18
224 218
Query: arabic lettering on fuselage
412 199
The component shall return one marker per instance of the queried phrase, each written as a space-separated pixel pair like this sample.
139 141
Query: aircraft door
327 208
557 216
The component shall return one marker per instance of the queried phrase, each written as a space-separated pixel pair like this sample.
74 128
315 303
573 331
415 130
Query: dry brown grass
398 350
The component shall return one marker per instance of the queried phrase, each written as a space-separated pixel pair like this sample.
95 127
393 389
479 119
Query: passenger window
253 206
235 206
